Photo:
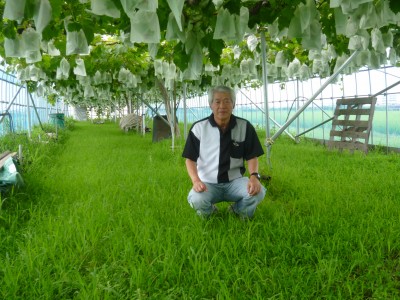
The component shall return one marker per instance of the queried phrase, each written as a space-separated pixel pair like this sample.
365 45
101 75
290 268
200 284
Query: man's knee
199 200
261 195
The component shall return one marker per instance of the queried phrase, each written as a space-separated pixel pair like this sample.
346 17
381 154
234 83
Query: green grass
104 215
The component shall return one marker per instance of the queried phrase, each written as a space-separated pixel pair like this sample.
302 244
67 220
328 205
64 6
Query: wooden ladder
352 123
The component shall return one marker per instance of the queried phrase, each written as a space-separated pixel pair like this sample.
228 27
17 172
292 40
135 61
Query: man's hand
199 186
253 186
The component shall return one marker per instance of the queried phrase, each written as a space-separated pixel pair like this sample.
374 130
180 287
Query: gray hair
222 89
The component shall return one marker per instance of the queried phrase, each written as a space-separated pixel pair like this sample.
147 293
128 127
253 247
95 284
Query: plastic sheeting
176 7
13 47
9 174
80 67
52 50
145 27
195 66
30 45
105 7
305 25
63 69
252 42
14 10
241 23
173 31
42 15
77 43
225 26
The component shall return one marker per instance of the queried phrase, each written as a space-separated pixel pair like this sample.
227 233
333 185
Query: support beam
11 103
385 89
37 114
154 111
265 92
272 119
28 113
185 130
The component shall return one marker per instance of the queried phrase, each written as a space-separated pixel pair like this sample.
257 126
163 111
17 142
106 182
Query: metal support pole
143 116
155 111
297 108
47 111
387 116
272 119
28 112
35 109
137 112
172 99
11 103
185 131
265 90
385 89
20 157
130 107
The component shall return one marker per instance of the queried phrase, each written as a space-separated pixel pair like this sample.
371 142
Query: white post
143 116
172 119
184 111
20 154
28 112
265 90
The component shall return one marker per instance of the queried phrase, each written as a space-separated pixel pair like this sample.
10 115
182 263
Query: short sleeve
192 147
253 146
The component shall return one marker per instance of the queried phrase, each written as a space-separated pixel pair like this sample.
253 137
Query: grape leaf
181 58
9 30
56 6
73 26
233 6
30 6
50 31
394 6
87 28
214 47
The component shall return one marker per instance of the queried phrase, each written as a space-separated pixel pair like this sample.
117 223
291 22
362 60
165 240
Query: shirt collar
232 121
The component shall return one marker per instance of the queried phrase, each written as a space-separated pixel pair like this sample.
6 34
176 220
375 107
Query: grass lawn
104 215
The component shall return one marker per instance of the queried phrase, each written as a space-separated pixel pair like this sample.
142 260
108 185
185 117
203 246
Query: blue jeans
235 191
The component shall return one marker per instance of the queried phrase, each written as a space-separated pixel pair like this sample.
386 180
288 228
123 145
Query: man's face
222 107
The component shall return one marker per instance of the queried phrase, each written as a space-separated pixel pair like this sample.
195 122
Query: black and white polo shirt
220 155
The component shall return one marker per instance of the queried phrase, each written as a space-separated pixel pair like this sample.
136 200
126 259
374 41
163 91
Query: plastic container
57 120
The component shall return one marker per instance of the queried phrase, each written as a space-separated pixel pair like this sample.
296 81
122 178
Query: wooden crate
352 123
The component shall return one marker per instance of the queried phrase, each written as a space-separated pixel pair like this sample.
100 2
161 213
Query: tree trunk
170 106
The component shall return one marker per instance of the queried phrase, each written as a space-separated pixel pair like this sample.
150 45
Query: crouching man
215 151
